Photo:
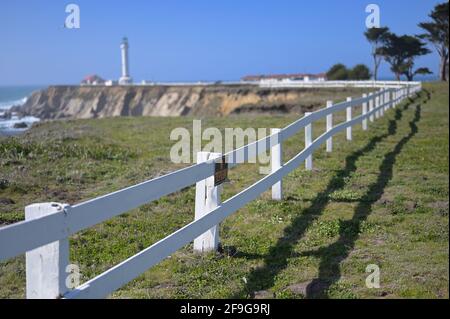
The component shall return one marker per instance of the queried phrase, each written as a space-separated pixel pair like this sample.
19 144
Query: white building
286 78
125 78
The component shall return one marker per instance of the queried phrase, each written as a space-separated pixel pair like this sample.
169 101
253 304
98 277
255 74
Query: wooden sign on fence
220 172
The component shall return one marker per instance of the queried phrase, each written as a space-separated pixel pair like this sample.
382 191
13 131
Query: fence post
377 103
364 112
389 98
392 100
381 103
396 97
276 163
329 127
371 101
46 265
393 97
308 142
207 197
386 100
349 118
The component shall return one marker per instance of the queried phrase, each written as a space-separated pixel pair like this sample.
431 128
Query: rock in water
20 125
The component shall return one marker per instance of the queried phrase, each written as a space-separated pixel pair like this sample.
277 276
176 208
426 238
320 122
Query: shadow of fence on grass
277 259
331 256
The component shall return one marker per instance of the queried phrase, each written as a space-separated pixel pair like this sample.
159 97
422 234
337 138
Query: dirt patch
165 286
385 200
262 294
410 206
440 207
62 195
312 288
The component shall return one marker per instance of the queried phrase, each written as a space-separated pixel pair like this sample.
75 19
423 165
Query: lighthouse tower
125 78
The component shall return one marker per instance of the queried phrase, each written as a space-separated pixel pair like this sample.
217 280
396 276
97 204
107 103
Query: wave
8 104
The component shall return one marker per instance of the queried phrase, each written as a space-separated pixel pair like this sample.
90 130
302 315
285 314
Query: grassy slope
381 199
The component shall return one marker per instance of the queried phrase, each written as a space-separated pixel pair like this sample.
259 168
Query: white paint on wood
308 142
381 112
386 101
207 198
46 265
371 106
349 118
364 112
377 103
329 127
276 163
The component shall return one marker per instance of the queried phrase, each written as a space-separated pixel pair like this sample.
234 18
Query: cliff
57 102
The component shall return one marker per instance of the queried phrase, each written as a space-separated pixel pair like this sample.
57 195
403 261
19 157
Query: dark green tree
436 32
376 37
359 72
338 72
423 71
400 52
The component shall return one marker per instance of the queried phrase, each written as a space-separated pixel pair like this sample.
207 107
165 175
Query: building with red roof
92 79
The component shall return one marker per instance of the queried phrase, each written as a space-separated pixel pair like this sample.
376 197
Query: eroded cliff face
58 102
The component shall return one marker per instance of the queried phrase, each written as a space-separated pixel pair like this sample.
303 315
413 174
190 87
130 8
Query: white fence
43 236
335 84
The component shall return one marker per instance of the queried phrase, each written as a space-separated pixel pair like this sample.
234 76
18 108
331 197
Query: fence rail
43 236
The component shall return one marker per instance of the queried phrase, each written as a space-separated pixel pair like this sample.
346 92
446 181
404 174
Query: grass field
381 199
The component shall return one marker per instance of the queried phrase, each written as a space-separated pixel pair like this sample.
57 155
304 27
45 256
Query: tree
437 34
376 37
423 71
338 72
359 72
400 52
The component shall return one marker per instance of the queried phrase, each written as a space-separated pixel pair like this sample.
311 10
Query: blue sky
193 40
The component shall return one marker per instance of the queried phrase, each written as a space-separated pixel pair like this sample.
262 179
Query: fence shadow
332 255
277 259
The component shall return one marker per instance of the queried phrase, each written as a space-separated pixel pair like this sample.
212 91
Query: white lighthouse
125 78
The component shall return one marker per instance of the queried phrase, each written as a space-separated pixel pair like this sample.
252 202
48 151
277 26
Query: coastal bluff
81 102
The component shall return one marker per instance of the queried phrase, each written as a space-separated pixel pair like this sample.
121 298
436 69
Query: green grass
381 199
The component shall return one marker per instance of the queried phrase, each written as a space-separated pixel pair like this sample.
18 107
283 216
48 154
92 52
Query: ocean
15 95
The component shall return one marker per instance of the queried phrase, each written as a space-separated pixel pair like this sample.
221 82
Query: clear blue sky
192 40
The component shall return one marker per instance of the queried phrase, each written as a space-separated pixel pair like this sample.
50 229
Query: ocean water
11 96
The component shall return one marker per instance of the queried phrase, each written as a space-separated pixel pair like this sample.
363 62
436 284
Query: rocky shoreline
13 121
